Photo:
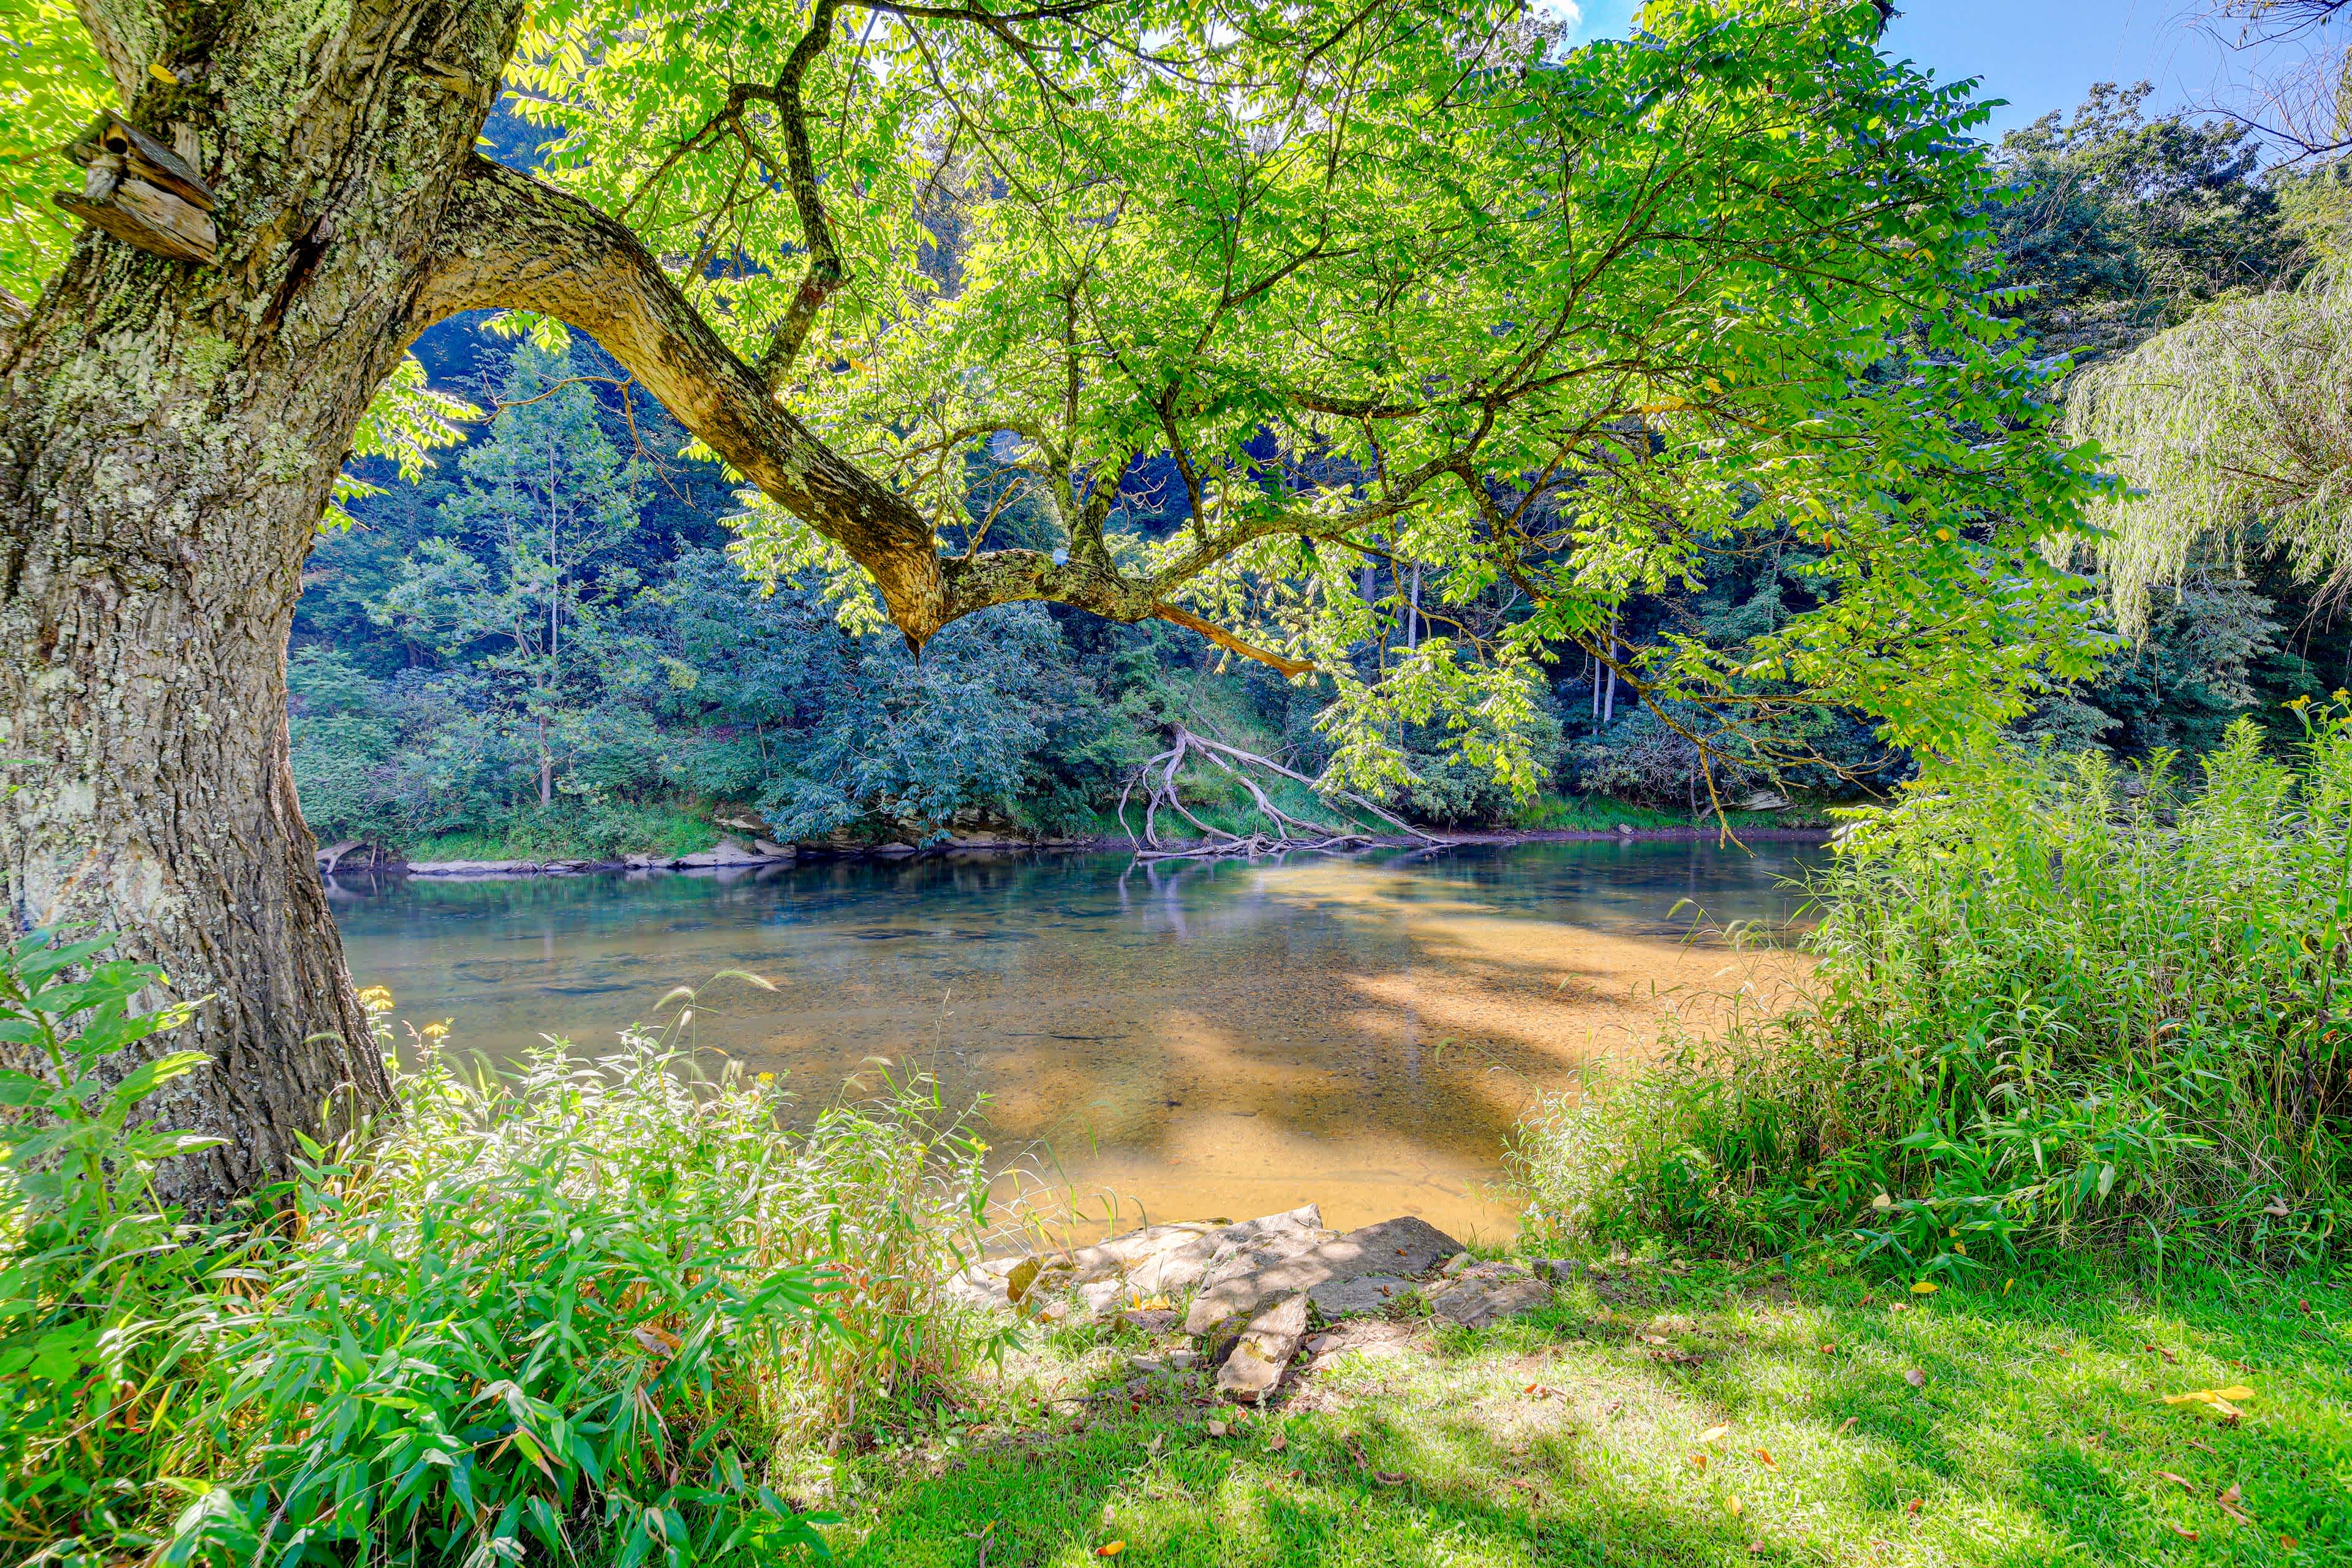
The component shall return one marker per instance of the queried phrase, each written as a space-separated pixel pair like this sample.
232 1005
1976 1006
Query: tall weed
2056 1003
575 1311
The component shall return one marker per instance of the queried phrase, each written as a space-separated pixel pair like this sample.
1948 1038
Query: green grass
2038 1436
568 832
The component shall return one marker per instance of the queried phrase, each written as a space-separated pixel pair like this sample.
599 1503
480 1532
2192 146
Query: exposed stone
1102 1296
771 849
1456 1264
1398 1246
1365 1295
1255 1368
984 1284
1181 1263
1152 1321
1487 1292
1558 1270
727 852
1374 1336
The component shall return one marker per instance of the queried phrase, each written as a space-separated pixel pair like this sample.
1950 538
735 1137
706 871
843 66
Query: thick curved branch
513 243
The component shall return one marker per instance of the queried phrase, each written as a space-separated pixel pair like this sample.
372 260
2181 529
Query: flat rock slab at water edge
1140 1266
1485 1293
1239 1291
1255 1368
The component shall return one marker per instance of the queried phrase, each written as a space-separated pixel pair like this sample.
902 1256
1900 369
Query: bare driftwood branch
1160 778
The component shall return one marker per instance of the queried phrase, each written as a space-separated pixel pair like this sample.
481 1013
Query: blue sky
2038 54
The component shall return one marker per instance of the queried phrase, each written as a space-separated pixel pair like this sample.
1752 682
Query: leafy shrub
101 1292
2055 1003
572 1311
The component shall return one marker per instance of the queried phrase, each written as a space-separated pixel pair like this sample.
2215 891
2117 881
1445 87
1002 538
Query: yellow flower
767 1077
377 998
436 1031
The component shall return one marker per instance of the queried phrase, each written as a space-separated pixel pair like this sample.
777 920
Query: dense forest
551 614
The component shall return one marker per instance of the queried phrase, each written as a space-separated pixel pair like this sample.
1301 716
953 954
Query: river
1179 1041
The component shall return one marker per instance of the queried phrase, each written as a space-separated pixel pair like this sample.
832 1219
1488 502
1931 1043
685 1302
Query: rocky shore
1256 1302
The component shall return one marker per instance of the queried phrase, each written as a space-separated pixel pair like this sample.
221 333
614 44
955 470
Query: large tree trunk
168 437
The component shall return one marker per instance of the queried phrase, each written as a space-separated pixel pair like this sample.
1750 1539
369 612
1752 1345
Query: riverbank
733 854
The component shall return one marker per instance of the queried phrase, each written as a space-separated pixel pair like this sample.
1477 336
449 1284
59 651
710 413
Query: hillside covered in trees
542 643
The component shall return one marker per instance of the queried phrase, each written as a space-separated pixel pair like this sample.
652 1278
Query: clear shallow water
1186 1041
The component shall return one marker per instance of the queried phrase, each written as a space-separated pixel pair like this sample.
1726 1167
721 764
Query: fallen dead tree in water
1159 777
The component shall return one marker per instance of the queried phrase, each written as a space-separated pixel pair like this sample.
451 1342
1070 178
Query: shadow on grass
2036 1432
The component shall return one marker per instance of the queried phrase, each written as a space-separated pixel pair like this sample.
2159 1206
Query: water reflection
1202 1039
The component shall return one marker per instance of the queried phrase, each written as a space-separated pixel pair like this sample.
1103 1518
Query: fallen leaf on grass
1653 1338
2229 1502
1110 1549
1847 1424
1764 1457
2162 1352
1277 1442
1926 1288
1714 1434
2212 1396
1217 1428
1731 1505
2181 1531
2287 1542
2181 1481
1757 1549
1915 1377
1390 1477
1899 1305
1699 1459
1828 1350
2223 1401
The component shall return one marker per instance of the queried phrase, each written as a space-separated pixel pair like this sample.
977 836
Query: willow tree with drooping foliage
1390 282
2233 436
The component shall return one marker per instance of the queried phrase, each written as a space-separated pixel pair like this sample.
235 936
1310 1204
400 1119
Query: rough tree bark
170 433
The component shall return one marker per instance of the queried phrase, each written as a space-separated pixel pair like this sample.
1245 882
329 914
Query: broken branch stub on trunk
142 192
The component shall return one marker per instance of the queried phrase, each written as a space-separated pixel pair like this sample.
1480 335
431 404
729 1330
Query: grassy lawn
2036 1432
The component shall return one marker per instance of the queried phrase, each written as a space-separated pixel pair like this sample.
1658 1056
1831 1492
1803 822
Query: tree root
1158 779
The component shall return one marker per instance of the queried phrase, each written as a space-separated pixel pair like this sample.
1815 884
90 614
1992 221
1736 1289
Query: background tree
1540 322
2135 247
